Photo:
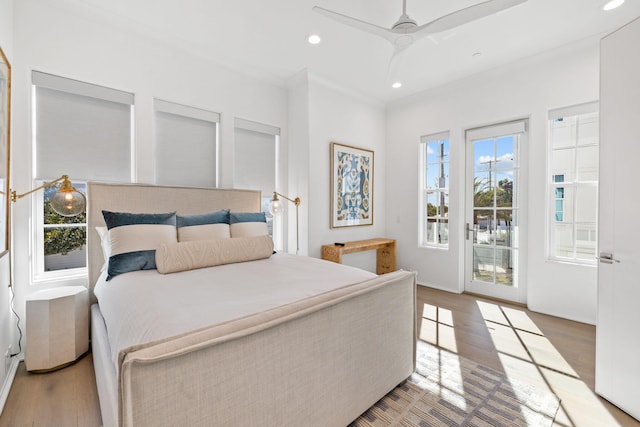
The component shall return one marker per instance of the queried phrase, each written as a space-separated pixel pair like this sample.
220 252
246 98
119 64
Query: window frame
278 224
570 188
425 190
38 264
36 225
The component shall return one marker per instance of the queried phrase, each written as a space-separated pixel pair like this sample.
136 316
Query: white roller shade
434 137
255 161
77 87
256 127
186 111
574 110
186 145
494 131
82 130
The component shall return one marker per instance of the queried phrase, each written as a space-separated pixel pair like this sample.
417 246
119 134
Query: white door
493 211
617 335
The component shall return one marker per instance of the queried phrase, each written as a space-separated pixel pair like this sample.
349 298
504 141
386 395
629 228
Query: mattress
145 306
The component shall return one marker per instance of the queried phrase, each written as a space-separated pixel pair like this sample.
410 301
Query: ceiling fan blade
358 24
464 16
392 68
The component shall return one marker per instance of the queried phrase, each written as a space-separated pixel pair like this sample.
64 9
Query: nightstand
57 327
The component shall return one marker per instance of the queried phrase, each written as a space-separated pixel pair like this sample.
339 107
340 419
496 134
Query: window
186 145
573 183
256 167
434 200
74 124
63 238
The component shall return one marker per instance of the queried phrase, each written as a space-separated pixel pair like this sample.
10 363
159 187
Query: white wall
64 39
528 88
296 176
336 115
7 321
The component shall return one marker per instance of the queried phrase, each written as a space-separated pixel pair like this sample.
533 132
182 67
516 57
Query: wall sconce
66 202
276 208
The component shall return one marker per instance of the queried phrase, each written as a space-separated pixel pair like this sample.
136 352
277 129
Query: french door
493 211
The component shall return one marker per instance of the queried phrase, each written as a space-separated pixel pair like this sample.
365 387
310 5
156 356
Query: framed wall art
5 122
351 186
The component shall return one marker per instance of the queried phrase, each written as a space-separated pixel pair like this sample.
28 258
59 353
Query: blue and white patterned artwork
352 190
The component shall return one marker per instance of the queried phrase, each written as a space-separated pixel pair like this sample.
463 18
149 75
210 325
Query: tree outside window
65 238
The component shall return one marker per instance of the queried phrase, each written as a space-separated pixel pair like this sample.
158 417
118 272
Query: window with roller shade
186 145
256 150
85 131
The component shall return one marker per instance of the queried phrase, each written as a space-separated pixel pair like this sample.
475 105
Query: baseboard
8 380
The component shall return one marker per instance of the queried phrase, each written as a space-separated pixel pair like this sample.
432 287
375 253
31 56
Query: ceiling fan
406 31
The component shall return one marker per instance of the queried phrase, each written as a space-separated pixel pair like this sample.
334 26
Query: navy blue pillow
134 239
206 226
217 217
248 224
236 217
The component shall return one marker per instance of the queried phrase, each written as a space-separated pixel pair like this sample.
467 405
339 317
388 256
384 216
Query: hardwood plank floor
67 397
545 351
542 350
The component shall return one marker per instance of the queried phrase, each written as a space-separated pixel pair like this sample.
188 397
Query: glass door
492 215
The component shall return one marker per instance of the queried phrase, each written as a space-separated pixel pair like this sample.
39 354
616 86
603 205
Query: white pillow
204 232
248 224
105 242
249 229
205 226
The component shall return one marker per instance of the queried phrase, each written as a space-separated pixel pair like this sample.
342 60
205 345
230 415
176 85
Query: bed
308 342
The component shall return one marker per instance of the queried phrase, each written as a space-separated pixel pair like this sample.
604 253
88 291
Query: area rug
449 390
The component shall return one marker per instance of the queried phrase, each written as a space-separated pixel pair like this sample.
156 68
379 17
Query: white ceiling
267 38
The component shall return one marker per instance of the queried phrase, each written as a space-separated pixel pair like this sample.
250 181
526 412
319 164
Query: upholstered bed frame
319 362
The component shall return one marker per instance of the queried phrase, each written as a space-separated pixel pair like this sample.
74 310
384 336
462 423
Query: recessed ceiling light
396 85
314 39
612 4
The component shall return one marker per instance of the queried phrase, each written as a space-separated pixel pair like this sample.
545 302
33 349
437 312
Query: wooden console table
386 252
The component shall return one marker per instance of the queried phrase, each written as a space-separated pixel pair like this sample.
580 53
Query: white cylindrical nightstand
57 327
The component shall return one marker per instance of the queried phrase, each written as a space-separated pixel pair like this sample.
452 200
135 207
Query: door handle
468 229
607 258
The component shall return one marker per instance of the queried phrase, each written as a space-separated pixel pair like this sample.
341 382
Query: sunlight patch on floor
581 406
445 380
430 312
437 314
451 386
521 321
492 313
545 354
437 327
506 341
527 355
438 334
514 333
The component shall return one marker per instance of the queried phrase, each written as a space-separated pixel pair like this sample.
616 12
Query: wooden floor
545 351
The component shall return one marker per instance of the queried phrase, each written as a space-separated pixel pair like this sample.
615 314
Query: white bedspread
145 306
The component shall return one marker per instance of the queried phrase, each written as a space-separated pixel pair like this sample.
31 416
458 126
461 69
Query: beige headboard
139 198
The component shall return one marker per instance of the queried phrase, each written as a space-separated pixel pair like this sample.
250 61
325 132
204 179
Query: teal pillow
206 226
248 224
135 238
